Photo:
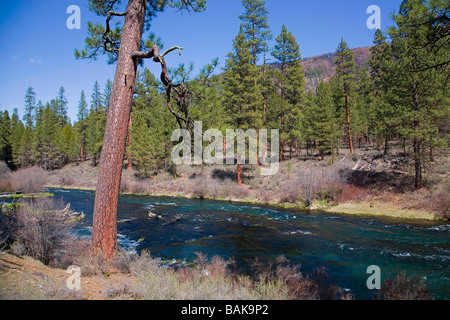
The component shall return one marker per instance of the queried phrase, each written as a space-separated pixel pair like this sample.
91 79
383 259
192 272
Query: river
345 245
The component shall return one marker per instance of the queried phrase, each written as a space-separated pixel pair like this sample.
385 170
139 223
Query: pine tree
5 139
82 125
30 105
381 66
96 123
96 98
107 94
46 147
364 110
61 107
290 83
326 131
255 27
17 129
69 145
150 147
422 56
295 92
345 74
241 93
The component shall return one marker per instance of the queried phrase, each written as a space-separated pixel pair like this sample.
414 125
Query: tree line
401 94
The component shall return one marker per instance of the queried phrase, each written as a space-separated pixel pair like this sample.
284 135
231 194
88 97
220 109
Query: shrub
122 290
403 288
30 180
5 178
42 232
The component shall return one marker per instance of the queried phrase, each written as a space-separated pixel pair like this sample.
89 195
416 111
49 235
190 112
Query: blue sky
38 48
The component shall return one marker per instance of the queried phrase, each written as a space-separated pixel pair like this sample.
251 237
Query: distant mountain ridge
322 68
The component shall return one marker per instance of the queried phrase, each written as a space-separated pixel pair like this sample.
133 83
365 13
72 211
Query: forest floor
366 184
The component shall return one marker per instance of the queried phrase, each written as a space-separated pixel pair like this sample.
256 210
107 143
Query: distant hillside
321 67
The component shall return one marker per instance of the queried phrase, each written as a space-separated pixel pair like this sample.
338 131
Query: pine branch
167 81
108 30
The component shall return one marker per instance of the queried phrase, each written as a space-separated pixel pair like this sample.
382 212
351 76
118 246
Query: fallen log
177 218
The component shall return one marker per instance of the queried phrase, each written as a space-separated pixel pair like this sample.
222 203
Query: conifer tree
17 129
30 105
385 113
241 94
327 131
61 107
290 82
345 75
106 97
255 27
422 55
5 138
82 125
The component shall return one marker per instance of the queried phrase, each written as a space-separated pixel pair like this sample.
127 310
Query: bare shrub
199 188
218 267
403 288
66 179
297 285
122 261
76 252
144 263
201 259
30 180
4 170
125 184
350 193
5 178
40 228
436 200
122 290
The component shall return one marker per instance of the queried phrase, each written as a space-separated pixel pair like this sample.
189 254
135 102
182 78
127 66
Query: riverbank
305 185
366 208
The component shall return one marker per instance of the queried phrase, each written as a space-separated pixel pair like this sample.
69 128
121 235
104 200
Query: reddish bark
239 174
104 228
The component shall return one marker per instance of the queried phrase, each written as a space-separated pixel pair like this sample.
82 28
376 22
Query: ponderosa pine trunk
104 228
239 174
349 132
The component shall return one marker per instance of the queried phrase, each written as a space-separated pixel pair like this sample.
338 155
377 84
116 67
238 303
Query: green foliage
255 27
241 93
6 150
150 141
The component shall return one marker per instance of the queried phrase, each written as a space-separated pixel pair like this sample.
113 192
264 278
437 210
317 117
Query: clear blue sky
38 49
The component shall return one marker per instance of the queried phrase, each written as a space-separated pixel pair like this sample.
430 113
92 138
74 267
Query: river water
345 245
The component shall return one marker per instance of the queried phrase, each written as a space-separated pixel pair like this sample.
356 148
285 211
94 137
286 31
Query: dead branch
179 89
108 40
